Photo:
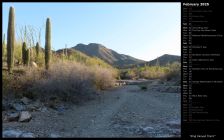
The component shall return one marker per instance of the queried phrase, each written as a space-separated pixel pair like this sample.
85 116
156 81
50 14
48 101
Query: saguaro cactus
48 44
27 60
24 49
37 50
31 53
11 40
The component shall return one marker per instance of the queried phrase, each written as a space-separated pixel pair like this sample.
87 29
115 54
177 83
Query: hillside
108 55
163 60
73 54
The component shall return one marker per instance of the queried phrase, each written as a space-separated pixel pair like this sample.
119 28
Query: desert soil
125 111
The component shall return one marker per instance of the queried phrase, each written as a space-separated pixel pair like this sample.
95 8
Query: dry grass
66 81
104 78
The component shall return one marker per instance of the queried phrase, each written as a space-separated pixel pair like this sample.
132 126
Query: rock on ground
25 100
25 116
33 64
18 107
13 116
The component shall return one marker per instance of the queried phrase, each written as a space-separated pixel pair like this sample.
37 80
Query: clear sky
142 30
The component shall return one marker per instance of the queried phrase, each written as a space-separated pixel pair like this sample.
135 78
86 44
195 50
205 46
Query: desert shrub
146 72
153 72
169 72
11 84
66 80
104 78
128 74
7 82
40 59
18 53
174 72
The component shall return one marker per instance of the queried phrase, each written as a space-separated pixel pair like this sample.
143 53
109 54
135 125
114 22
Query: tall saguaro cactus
27 60
24 53
37 50
48 44
11 39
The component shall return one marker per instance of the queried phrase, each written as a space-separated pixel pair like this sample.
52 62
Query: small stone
25 100
30 107
37 104
148 129
34 106
25 116
18 107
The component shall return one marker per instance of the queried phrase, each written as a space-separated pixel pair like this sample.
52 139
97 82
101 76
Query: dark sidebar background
202 69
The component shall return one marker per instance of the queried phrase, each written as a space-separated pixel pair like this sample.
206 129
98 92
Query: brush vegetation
152 72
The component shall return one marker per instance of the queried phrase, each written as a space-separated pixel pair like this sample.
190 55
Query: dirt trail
122 112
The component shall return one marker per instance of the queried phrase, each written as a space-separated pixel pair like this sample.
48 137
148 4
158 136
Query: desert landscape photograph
91 70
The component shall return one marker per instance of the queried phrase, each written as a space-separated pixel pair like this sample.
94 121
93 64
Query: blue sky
142 30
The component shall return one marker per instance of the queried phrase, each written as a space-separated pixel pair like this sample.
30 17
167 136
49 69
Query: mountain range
108 55
164 60
119 60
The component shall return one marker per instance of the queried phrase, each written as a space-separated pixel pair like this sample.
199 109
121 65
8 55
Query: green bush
174 72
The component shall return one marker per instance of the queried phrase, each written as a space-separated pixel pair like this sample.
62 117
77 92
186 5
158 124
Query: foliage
151 72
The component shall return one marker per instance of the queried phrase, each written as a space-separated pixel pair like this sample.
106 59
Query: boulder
33 64
13 116
31 107
24 116
34 106
18 107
